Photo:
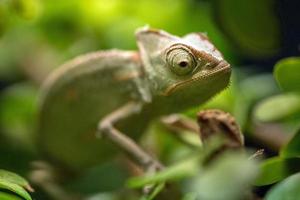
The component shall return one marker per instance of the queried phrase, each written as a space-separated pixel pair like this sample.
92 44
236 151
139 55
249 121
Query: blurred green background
37 36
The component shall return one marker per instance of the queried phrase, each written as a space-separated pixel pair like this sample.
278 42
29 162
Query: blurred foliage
289 188
257 36
283 109
213 184
14 183
275 169
18 115
287 74
287 105
37 36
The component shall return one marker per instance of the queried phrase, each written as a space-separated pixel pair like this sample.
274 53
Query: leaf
258 86
287 73
14 183
181 170
276 169
6 196
292 148
289 189
14 188
228 178
278 107
185 168
15 179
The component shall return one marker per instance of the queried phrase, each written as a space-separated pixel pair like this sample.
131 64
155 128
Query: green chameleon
114 94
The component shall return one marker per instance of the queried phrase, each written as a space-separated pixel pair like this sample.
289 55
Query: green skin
167 75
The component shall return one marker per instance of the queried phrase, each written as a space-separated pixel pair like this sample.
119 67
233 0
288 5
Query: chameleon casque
116 92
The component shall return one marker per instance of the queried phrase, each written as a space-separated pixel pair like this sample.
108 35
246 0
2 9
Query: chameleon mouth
222 67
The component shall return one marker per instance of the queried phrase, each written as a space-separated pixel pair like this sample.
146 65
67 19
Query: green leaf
6 196
14 188
14 183
289 189
228 178
292 149
278 107
276 169
258 86
287 73
185 168
14 178
181 170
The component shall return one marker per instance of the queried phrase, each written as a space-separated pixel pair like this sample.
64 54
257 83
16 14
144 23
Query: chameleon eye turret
180 60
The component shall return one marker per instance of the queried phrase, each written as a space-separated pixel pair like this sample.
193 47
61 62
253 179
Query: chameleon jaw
222 67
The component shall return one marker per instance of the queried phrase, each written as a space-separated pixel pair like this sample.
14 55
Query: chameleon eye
180 60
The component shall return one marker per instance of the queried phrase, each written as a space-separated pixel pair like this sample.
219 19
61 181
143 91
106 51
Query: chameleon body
167 75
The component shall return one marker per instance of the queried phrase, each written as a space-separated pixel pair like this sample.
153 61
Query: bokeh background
37 36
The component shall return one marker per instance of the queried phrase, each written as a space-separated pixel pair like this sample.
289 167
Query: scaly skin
168 74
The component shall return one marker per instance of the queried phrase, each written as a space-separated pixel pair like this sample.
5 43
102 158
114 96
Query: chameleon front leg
107 129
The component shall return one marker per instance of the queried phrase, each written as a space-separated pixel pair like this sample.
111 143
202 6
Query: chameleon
100 102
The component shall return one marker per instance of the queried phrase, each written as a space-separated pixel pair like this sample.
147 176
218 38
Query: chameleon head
189 67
